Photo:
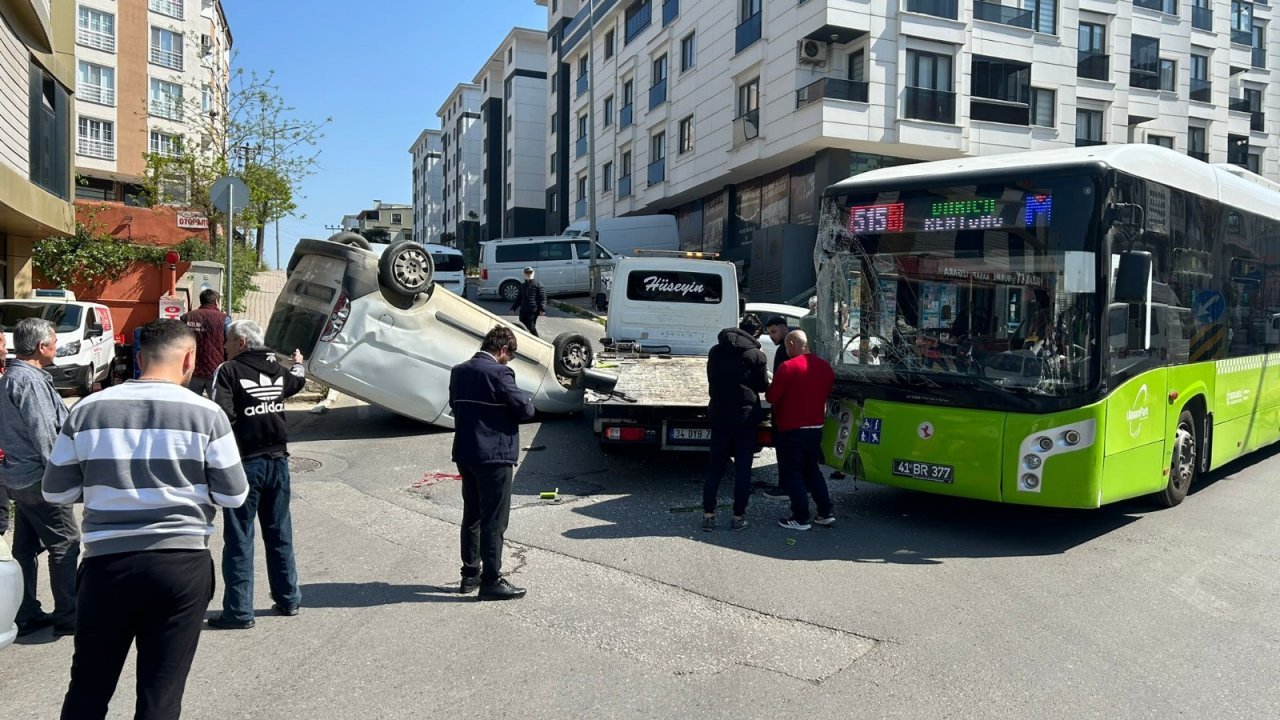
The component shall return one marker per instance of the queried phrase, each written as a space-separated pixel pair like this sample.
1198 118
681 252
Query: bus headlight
1030 482
1071 437
1033 462
1045 444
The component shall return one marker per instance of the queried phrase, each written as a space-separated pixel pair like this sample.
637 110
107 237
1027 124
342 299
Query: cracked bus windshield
990 287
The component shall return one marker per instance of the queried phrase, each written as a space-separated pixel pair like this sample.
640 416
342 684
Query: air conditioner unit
812 52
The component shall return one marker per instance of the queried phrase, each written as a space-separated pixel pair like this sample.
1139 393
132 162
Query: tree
270 198
376 235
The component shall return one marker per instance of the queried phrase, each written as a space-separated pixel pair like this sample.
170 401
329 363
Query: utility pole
594 269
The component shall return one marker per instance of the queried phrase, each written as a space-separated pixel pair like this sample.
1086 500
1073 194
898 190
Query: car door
556 266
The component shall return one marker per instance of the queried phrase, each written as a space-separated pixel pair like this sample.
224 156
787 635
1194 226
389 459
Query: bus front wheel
1182 463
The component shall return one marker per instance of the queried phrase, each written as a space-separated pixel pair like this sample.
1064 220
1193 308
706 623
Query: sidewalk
259 303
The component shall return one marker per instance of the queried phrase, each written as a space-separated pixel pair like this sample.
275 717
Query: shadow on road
354 422
376 594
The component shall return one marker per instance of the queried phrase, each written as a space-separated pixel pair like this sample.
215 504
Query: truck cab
672 300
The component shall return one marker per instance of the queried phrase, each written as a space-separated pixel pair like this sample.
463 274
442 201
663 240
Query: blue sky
380 68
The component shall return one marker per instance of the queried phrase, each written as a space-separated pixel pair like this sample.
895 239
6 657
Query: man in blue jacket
487 410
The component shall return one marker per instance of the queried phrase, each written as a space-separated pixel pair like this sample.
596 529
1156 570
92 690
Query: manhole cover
303 465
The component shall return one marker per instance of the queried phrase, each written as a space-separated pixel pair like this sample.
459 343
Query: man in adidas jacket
251 387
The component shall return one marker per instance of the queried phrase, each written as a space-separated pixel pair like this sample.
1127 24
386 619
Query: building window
1046 15
1088 127
857 66
929 82
637 18
749 24
1238 150
686 136
166 100
1043 105
688 52
1144 63
96 29
608 45
1168 75
553 163
658 90
1241 22
551 202
607 120
172 8
555 122
96 84
749 96
657 158
166 145
397 219
49 122
166 48
1201 87
583 79
1165 141
1004 81
96 139
628 95
1092 61
606 176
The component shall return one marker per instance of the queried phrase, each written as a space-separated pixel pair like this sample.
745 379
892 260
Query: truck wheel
1182 464
350 238
573 355
509 290
406 268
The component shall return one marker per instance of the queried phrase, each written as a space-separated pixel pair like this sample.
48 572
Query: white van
562 265
625 235
450 268
674 305
86 338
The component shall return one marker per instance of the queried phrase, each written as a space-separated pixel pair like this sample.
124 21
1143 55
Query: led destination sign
924 215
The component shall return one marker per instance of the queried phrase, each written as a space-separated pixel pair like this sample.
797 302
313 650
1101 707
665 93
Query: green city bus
1065 328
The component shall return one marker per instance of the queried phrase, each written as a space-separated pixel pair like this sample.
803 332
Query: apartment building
513 84
386 222
152 77
734 116
462 143
36 107
428 187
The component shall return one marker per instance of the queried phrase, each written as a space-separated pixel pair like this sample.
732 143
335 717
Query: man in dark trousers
531 302
150 461
210 326
777 329
487 410
799 397
251 387
736 376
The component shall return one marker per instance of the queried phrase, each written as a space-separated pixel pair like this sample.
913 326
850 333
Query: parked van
562 265
450 268
86 338
624 235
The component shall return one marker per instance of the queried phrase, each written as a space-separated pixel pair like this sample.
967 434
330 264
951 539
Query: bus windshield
982 293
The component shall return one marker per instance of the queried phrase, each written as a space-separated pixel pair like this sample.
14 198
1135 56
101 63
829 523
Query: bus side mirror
1127 216
1133 288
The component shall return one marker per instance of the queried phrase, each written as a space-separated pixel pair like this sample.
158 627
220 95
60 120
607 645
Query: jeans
268 502
40 526
201 386
799 457
730 439
530 323
156 598
486 509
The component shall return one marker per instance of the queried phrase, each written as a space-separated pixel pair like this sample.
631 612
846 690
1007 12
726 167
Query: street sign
192 221
229 194
1208 307
172 308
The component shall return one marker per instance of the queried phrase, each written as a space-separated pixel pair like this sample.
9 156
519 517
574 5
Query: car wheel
406 268
109 378
573 355
85 385
350 238
509 291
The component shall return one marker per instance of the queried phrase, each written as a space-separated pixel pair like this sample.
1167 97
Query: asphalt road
912 606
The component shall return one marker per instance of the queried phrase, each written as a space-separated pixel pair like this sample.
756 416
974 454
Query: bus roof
1236 187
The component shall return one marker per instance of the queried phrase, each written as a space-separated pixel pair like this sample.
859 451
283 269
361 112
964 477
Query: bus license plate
923 471
699 434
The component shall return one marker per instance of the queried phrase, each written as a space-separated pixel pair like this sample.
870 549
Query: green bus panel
1067 476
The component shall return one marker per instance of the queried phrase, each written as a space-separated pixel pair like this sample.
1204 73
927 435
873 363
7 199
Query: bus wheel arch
1184 454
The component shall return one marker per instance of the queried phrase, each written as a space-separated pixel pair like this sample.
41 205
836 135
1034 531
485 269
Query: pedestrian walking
31 413
150 461
799 397
487 410
530 302
736 376
209 324
251 387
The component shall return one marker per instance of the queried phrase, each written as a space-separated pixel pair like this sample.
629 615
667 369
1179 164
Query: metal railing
624 117
172 8
1259 59
1001 111
1202 18
580 147
584 81
832 88
167 109
949 9
171 59
96 39
1145 79
104 149
747 33
932 105
1003 14
624 186
657 171
746 127
1089 142
638 22
96 94
670 11
657 94
1241 37
1093 65
1201 89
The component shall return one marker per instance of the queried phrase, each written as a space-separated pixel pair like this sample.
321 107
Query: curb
580 312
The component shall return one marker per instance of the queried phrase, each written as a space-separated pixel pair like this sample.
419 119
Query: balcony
637 23
584 81
1145 79
1003 14
1241 37
102 149
1259 57
580 147
832 89
1257 121
167 109
171 59
96 39
624 186
1202 18
624 117
1089 142
670 11
580 208
949 9
657 172
1201 156
999 111
746 127
96 94
1093 65
172 8
1201 89
931 105
747 33
657 94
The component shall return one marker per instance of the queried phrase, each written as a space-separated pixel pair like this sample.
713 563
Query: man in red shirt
799 397
210 326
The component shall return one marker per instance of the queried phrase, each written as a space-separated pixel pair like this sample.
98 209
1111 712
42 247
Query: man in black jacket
487 411
531 302
736 375
251 387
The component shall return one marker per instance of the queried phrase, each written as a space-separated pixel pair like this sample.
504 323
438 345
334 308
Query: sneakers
776 493
708 523
501 590
469 585
824 520
791 524
738 524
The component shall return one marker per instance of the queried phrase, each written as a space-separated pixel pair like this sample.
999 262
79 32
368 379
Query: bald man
799 398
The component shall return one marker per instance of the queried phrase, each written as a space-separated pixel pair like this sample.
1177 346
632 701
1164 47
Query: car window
554 251
521 253
583 248
447 262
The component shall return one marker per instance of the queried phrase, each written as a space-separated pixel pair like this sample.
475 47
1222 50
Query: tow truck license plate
690 434
923 471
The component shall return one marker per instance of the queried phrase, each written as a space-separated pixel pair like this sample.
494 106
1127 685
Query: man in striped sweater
149 460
